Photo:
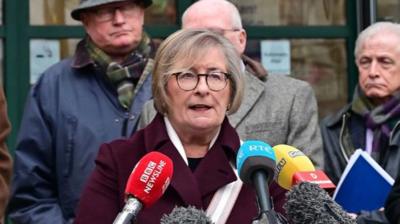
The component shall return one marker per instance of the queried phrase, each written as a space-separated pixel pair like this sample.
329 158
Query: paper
43 54
275 56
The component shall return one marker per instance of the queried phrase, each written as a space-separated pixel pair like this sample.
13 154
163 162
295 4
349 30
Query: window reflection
388 10
56 12
320 62
46 52
52 12
161 12
289 12
1 12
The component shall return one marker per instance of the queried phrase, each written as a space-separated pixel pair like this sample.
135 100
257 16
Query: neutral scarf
381 119
128 76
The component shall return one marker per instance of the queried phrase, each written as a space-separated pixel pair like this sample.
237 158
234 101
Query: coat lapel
253 90
183 180
213 172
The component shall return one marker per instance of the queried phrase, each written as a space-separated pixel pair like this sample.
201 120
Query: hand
353 215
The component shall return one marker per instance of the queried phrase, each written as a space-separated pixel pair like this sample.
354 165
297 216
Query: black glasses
107 13
188 80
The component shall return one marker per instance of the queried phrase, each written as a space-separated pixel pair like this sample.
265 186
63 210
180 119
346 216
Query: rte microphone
293 167
146 184
256 165
308 203
189 215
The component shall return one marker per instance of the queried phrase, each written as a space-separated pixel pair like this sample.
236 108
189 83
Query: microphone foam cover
308 203
253 156
289 161
150 178
189 215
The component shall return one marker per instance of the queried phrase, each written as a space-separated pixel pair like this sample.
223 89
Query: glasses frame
198 75
107 13
222 31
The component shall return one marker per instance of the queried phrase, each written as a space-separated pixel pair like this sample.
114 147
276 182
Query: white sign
275 56
43 54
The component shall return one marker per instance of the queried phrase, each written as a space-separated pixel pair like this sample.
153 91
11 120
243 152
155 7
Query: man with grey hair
275 109
371 121
76 105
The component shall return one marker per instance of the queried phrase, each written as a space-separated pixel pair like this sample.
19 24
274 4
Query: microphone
308 203
182 215
256 164
293 167
146 184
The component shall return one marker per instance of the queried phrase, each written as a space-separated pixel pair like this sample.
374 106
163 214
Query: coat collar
336 118
213 172
252 92
81 58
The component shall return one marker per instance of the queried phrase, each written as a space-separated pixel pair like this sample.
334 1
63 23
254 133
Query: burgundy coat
103 197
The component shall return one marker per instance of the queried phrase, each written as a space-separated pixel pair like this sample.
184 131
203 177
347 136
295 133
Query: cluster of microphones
258 163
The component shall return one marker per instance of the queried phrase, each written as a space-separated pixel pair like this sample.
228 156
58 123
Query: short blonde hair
186 47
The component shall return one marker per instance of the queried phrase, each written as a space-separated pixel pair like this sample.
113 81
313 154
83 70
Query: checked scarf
128 76
381 119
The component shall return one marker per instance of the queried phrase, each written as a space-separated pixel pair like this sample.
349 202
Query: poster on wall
43 54
275 56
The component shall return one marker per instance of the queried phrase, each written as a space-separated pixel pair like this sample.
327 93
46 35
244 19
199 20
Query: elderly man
279 110
77 104
370 121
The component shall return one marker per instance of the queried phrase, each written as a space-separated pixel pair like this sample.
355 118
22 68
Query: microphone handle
261 186
129 212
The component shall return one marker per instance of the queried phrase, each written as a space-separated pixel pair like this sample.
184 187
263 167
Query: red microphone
146 184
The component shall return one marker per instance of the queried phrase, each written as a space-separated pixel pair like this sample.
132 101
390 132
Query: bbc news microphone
186 215
256 165
146 184
308 203
293 167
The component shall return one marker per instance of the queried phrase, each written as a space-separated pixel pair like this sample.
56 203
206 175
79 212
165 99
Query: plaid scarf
128 76
381 119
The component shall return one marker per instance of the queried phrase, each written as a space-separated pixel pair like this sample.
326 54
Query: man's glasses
221 31
107 13
188 80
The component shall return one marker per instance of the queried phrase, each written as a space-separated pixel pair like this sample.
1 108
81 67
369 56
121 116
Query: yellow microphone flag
289 161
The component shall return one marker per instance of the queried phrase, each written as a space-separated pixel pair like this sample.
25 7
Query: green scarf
128 76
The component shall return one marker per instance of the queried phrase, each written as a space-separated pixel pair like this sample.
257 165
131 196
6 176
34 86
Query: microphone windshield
150 178
189 215
253 156
308 203
289 161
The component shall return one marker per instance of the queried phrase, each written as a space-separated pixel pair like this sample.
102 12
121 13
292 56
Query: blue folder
364 185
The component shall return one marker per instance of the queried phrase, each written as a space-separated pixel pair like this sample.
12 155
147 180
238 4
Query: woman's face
200 109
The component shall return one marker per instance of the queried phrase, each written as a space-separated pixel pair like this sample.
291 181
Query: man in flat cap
76 105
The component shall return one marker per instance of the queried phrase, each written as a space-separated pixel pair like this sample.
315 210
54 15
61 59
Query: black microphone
308 203
189 215
256 166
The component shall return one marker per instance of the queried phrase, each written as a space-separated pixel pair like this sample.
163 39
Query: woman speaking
197 81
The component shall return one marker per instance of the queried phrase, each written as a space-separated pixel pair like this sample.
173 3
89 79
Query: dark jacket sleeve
5 158
392 207
34 191
99 202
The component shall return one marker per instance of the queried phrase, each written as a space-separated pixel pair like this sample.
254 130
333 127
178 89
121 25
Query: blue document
364 185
